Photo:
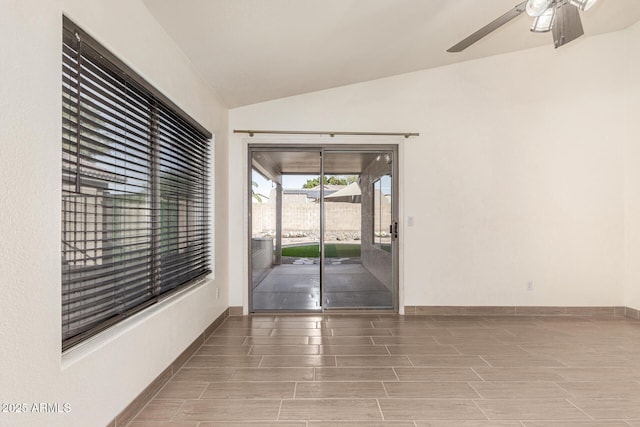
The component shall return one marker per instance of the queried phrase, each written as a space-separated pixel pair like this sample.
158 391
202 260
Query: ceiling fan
561 17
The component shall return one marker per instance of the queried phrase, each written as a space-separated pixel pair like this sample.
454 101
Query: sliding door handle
393 230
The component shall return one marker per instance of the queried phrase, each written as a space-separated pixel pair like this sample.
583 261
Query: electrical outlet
529 286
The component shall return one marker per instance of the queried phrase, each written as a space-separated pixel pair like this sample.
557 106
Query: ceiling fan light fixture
538 7
544 22
583 4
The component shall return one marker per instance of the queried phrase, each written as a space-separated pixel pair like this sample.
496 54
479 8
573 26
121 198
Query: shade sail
351 193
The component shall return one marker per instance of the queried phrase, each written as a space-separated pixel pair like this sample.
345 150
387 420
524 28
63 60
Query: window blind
135 170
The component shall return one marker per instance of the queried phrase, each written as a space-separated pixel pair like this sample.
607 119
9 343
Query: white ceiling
257 50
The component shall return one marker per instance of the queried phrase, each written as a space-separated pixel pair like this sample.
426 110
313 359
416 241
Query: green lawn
331 250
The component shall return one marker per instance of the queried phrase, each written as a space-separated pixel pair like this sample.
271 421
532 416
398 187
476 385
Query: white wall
99 378
632 174
517 176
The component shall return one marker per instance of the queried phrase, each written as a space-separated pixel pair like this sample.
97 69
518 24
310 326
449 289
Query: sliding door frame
321 149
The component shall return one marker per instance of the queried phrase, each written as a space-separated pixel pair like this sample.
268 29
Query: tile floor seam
476 372
559 384
396 374
380 409
386 346
386 392
279 410
485 361
476 390
204 390
524 349
173 417
411 362
480 409
581 410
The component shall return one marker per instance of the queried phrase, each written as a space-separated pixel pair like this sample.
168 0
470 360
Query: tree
330 180
311 183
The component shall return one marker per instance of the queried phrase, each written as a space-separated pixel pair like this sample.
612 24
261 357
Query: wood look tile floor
390 370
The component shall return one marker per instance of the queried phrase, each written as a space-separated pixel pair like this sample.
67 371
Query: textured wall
632 173
516 176
100 377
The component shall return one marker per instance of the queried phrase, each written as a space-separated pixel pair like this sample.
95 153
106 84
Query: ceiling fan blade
493 25
567 25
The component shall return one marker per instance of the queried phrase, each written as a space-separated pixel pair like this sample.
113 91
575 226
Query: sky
288 181
297 181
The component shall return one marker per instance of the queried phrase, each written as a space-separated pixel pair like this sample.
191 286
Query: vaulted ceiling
257 50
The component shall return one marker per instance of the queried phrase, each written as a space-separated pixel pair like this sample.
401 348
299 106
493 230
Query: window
135 170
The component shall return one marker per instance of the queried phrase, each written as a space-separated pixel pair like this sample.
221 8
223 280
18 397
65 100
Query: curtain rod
330 133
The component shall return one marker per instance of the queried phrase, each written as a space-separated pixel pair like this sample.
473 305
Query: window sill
97 342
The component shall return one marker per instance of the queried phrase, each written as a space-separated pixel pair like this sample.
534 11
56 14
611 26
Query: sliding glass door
323 229
285 230
358 230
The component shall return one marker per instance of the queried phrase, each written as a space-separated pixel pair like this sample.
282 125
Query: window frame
176 170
